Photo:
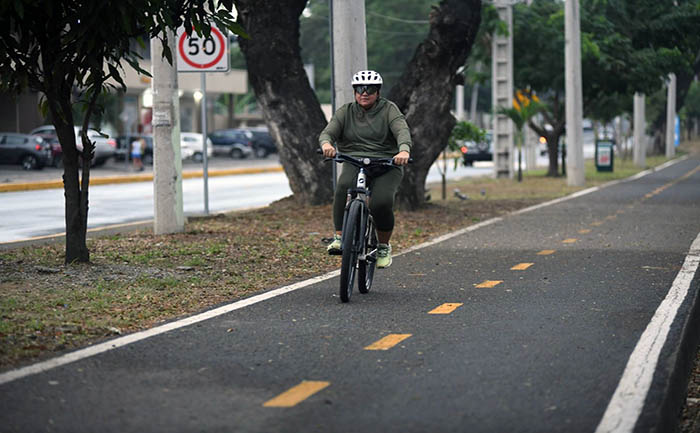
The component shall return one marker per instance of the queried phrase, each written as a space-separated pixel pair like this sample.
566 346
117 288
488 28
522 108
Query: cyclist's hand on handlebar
328 150
401 158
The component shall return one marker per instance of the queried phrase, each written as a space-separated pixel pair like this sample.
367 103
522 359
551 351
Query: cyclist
372 127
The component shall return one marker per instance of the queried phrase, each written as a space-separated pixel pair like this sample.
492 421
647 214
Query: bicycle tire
351 240
365 268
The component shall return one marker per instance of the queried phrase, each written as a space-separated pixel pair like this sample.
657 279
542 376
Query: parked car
262 141
105 148
124 147
31 151
236 143
192 146
56 151
481 151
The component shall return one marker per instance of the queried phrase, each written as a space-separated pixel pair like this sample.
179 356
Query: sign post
203 54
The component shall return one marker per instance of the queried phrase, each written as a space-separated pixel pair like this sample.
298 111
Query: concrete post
531 142
575 174
640 145
502 94
349 46
671 117
459 103
167 164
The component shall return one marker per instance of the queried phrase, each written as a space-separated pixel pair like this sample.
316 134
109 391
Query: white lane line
87 352
627 402
142 335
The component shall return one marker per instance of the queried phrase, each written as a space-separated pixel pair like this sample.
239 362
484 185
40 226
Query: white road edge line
627 402
96 349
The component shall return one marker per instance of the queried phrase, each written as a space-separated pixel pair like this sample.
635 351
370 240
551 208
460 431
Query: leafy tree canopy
56 47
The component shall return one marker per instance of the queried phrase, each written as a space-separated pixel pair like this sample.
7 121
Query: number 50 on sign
200 53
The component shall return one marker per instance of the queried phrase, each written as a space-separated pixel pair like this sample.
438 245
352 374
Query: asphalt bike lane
525 324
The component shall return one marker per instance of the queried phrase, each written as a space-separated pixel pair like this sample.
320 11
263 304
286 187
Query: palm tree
525 105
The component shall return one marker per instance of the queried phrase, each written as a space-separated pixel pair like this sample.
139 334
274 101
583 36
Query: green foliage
73 43
626 46
465 131
691 107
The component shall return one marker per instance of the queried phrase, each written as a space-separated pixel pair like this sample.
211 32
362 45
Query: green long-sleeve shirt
380 132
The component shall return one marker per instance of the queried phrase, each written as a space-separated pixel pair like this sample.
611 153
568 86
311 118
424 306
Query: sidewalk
14 178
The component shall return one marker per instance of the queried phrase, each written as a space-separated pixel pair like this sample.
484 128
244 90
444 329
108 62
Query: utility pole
575 174
348 52
349 46
167 164
640 145
671 117
531 139
502 93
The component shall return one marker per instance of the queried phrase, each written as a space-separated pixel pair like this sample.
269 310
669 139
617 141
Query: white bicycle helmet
367 78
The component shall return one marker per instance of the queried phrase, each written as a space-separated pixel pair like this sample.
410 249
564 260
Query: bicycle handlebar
362 162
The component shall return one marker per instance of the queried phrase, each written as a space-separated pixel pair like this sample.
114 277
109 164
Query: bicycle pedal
335 252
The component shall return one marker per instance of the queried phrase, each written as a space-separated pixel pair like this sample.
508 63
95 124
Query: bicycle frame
361 193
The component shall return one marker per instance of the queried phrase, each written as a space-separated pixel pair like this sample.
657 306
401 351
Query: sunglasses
370 89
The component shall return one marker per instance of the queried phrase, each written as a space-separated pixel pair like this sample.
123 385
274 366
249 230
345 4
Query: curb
107 180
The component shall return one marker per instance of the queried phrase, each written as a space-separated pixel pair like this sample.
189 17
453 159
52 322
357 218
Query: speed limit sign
201 54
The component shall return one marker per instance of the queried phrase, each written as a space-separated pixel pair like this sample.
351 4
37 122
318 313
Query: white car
105 148
191 146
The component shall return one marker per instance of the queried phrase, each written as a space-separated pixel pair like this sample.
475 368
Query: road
575 316
29 214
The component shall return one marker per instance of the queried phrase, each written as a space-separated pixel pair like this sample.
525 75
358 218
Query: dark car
56 150
236 143
263 144
31 151
124 147
481 151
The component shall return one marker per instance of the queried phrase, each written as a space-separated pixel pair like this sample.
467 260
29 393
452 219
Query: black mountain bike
359 239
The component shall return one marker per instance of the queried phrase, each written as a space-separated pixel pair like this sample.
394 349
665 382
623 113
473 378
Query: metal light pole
575 174
205 159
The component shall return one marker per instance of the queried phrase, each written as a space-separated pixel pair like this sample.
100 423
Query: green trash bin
604 155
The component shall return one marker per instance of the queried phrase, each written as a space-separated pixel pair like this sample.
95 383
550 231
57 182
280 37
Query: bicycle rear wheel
351 245
366 267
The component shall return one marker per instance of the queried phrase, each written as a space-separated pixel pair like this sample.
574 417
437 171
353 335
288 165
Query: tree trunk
58 92
289 105
424 92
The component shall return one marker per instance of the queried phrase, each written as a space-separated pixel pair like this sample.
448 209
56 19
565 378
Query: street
572 316
29 214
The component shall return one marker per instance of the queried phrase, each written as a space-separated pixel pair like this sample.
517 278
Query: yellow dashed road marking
488 284
521 266
297 394
569 241
446 308
388 342
584 231
546 252
597 223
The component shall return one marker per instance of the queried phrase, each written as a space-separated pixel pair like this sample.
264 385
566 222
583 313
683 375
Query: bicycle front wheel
366 267
352 239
